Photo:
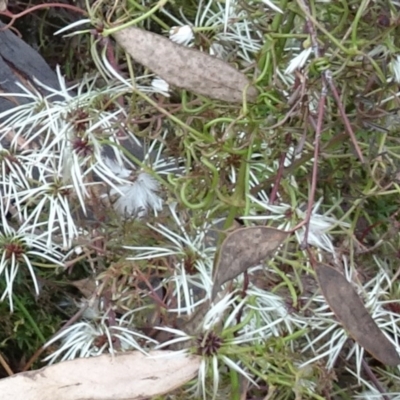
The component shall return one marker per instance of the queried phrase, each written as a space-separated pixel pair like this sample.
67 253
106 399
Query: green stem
196 135
207 200
282 41
235 386
289 285
328 34
135 21
240 192
153 17
360 11
277 22
29 319
196 110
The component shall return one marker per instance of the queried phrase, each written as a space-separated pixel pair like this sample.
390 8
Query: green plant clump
118 188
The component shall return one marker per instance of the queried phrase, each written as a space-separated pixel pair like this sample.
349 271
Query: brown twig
327 78
279 175
318 128
374 380
321 107
5 365
14 17
327 82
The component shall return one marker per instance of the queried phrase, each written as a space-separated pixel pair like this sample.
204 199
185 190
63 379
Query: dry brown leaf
126 376
351 312
184 67
86 286
242 249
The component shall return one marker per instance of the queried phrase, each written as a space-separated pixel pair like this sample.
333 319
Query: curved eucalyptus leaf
124 376
352 314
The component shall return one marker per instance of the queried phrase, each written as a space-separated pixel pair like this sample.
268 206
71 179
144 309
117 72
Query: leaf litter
186 68
352 314
124 376
242 249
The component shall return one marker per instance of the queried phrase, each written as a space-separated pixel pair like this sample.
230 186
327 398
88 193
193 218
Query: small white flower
216 350
271 316
160 86
181 34
65 133
51 198
138 196
239 35
21 250
299 61
319 224
183 247
92 338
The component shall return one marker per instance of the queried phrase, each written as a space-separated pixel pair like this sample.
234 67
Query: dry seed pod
184 67
351 312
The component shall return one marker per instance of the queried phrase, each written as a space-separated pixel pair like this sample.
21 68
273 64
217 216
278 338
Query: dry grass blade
184 67
126 376
351 312
242 249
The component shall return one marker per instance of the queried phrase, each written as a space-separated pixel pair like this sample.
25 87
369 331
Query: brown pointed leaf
242 249
86 286
351 312
184 67
126 376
